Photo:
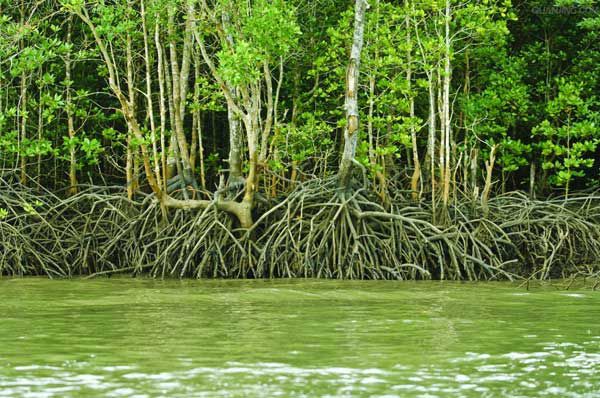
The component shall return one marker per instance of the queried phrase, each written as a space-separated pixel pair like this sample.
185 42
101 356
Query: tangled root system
318 231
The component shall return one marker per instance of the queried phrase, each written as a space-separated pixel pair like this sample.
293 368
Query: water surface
303 338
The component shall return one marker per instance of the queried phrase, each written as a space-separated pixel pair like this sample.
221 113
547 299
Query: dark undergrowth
317 231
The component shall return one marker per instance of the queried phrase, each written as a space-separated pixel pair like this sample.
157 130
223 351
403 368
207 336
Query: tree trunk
416 177
70 123
161 103
131 172
235 178
149 102
446 107
489 168
179 90
352 113
431 139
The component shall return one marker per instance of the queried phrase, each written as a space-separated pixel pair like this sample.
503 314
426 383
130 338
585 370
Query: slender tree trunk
22 110
352 113
132 180
446 106
235 178
264 143
532 174
179 85
442 132
489 168
431 139
370 135
474 171
40 125
161 103
416 177
70 123
173 157
149 101
235 147
23 126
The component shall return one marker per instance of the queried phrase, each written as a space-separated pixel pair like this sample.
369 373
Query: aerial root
325 232
317 231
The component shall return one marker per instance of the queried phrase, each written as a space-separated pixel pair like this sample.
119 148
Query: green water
144 338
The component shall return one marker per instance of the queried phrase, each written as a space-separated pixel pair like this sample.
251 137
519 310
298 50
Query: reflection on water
143 338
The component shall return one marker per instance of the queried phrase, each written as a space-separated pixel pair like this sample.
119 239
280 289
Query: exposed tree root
553 239
327 233
317 231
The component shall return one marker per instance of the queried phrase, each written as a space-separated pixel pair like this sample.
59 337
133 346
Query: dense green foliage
524 79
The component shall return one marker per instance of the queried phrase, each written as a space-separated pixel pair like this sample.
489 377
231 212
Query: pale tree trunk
196 115
149 102
466 94
370 135
446 106
198 118
22 111
532 180
352 112
276 128
442 131
70 123
131 165
373 141
235 180
178 146
371 97
23 126
416 177
172 159
431 138
264 143
161 103
179 90
40 125
489 168
474 171
251 120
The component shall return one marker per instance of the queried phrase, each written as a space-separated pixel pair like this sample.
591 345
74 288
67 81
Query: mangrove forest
347 139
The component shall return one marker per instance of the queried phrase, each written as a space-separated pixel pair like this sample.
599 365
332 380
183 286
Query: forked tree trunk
489 168
179 90
352 75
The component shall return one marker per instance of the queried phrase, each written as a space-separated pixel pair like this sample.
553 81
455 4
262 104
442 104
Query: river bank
100 232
